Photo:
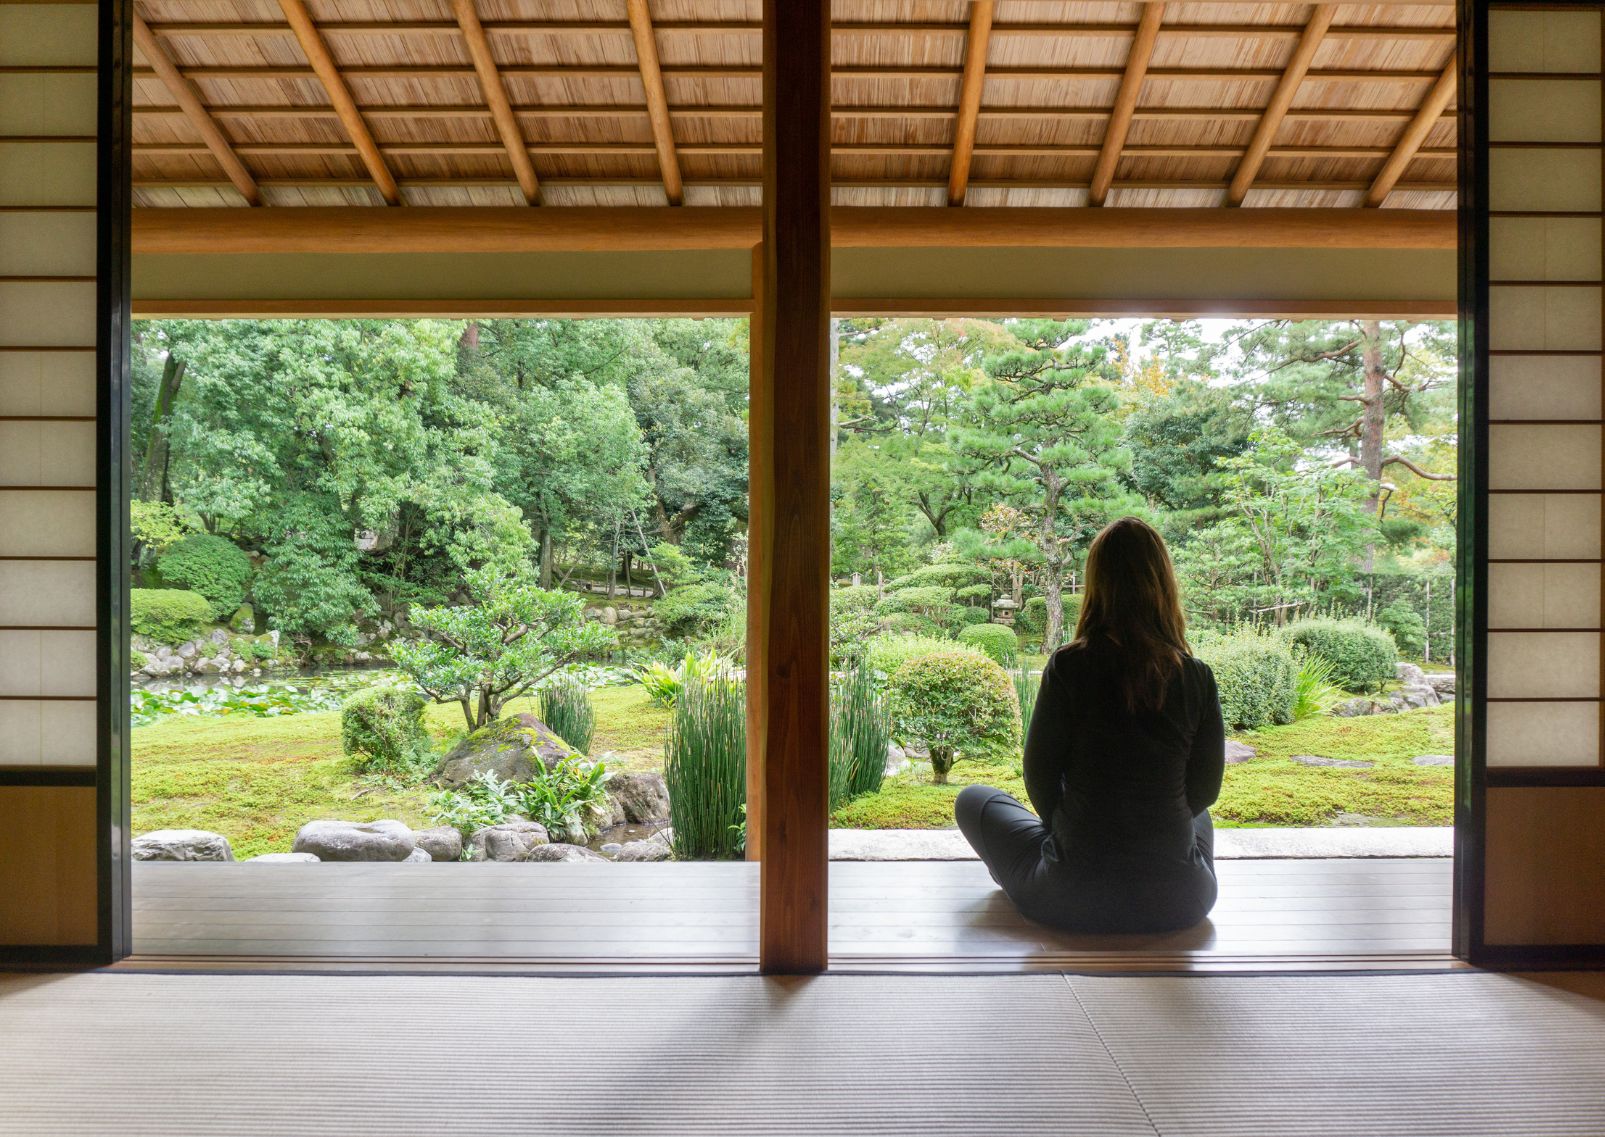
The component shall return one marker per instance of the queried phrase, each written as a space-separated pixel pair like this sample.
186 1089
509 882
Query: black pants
1016 847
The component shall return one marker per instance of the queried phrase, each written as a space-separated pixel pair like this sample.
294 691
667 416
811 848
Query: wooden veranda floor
942 913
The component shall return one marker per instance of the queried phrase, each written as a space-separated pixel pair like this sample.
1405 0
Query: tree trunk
546 558
468 713
470 337
1373 420
1052 563
153 481
941 764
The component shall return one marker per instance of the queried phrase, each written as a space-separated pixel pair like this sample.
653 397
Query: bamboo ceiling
654 102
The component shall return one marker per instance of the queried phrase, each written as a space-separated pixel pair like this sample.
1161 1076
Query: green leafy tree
483 654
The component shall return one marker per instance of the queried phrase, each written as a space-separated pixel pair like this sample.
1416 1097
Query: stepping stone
1345 763
1434 760
1238 752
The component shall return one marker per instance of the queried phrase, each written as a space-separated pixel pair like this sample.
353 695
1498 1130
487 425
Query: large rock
1434 760
1414 696
508 748
442 843
562 851
356 840
509 841
1442 682
896 760
603 813
418 857
282 859
1320 760
1363 705
651 849
1238 752
1409 674
182 845
644 798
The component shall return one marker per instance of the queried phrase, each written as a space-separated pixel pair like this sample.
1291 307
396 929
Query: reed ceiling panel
569 68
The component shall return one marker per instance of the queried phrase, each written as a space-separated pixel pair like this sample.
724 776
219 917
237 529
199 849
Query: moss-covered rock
508 748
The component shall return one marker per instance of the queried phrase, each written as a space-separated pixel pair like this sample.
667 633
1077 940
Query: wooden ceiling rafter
657 102
1120 117
496 100
1409 146
190 105
334 85
1271 121
976 42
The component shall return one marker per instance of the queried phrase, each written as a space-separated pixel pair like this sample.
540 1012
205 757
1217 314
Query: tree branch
1417 470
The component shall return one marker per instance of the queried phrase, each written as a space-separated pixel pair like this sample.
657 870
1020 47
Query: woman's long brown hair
1133 605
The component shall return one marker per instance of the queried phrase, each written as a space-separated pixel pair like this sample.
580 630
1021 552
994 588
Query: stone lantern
1003 610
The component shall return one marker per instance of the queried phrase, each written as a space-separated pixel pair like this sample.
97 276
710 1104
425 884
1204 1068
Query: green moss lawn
1267 790
259 779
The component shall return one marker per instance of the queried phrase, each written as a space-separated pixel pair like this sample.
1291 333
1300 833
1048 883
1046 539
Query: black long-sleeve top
1120 790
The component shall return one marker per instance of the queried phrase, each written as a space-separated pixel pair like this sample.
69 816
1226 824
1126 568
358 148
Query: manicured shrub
860 730
852 622
997 641
912 624
691 609
1406 627
566 708
210 565
168 615
1362 655
383 729
886 654
957 704
137 660
1032 618
978 594
705 770
950 576
970 616
1257 677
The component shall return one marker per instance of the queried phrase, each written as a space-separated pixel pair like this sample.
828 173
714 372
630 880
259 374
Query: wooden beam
501 110
189 103
1428 116
422 229
657 103
760 515
1281 99
794 488
975 45
170 308
323 65
1114 136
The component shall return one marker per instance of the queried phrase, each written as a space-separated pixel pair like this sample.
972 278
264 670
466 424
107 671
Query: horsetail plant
705 769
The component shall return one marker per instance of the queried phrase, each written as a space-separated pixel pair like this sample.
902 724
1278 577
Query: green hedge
168 615
1362 655
951 576
1407 628
973 615
997 641
383 729
887 653
690 609
211 566
1257 677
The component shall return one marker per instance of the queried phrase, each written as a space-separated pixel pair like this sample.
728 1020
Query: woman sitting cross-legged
1123 760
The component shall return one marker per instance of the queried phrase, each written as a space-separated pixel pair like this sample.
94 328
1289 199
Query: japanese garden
441 590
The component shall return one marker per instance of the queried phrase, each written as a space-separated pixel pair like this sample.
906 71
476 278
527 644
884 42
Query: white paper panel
1543 526
47 663
1544 387
1543 665
1544 180
48 104
47 315
1543 596
47 593
1544 248
1543 110
1543 41
1564 457
47 382
1544 319
1543 734
47 244
53 733
47 173
47 454
47 523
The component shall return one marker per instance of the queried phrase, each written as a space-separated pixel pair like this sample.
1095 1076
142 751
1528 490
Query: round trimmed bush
168 615
887 653
1257 677
997 641
957 704
383 728
973 615
211 565
689 609
1407 628
1362 655
950 576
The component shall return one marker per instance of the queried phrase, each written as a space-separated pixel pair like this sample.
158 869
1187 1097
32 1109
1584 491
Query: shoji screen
58 346
1538 107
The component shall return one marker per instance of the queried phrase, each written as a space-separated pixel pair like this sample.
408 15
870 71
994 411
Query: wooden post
760 508
790 702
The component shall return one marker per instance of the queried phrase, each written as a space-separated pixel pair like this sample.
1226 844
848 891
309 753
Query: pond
322 689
